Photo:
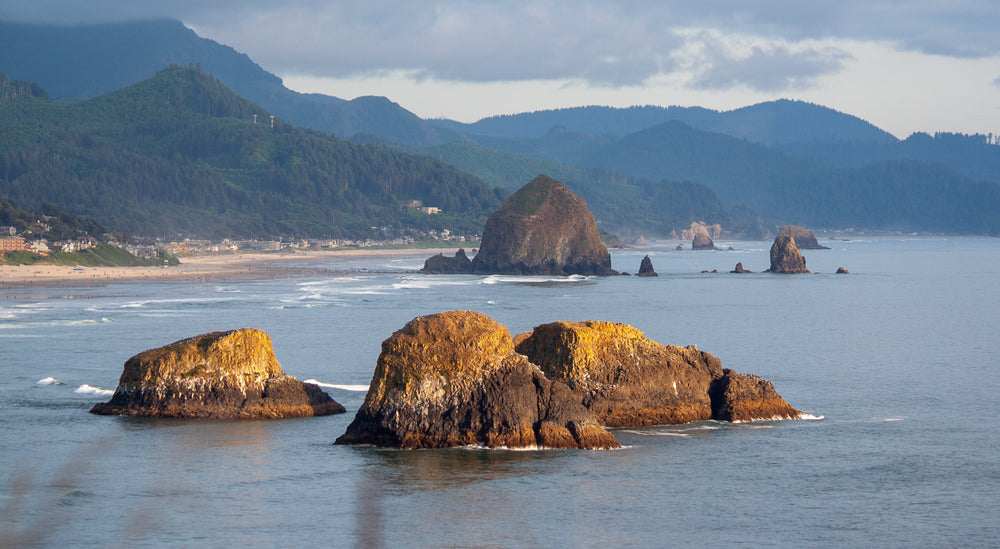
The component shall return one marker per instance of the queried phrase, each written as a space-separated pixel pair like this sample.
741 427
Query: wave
342 387
531 279
91 390
180 301
49 381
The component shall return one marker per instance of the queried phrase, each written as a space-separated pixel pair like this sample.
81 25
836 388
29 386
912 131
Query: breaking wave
49 381
91 390
342 387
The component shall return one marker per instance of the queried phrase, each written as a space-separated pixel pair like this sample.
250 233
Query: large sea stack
227 375
702 241
786 257
804 238
454 379
543 228
626 380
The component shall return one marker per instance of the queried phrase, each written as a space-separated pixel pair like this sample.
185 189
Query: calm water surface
896 361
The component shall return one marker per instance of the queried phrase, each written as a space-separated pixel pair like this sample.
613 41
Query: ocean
896 365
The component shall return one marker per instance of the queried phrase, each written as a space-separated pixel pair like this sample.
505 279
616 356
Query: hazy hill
81 62
179 153
886 194
770 123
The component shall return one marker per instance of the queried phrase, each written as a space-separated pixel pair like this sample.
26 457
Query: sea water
895 364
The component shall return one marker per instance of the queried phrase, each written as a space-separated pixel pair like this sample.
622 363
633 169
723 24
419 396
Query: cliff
454 379
231 375
543 228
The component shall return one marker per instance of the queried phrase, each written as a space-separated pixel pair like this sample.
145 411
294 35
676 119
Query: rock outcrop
804 238
786 257
454 379
543 228
646 267
228 375
440 264
626 380
842 271
746 397
702 242
739 269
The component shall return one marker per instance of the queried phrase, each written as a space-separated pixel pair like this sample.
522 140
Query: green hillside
181 154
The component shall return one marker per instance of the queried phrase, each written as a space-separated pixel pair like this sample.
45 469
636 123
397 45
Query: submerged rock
786 257
746 397
229 375
543 228
646 267
804 238
626 380
454 379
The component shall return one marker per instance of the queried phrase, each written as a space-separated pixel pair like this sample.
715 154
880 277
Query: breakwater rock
454 379
227 375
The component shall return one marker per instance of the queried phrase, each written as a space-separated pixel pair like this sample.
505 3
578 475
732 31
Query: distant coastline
199 268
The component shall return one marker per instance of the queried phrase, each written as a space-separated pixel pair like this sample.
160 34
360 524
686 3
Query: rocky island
542 229
225 375
786 257
457 379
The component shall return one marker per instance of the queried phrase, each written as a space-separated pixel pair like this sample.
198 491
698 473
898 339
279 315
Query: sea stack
804 238
646 267
746 397
226 375
440 264
786 257
739 269
454 379
542 229
702 242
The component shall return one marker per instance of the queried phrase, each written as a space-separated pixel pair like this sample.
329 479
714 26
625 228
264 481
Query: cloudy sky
904 65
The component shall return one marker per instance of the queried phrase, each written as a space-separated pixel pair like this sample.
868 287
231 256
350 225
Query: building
12 243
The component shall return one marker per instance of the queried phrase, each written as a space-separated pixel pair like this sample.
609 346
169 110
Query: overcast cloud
764 46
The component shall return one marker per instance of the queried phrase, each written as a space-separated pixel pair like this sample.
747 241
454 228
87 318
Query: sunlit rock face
454 379
543 228
746 397
228 375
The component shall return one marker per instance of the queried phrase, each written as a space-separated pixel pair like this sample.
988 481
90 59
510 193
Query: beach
200 268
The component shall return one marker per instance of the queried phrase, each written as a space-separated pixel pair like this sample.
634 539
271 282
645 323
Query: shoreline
200 268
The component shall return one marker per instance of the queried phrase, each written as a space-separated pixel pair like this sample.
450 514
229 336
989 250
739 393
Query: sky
903 65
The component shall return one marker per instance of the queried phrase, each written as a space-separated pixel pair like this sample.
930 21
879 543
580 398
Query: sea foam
49 381
342 387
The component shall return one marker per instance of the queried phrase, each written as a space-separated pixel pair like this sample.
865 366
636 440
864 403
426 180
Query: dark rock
804 238
746 397
785 257
842 271
679 248
646 267
702 242
229 375
439 264
739 269
543 228
454 379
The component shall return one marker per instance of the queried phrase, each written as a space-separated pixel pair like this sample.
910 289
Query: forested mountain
81 62
885 194
180 153
770 123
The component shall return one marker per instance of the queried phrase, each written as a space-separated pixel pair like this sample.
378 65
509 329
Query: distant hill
81 62
771 123
180 153
886 194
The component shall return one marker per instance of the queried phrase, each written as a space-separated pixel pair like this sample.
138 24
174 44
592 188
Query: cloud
602 43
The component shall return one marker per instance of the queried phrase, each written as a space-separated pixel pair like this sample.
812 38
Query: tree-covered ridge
180 153
12 89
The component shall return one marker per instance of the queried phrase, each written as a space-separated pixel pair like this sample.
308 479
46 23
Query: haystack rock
454 379
786 257
702 242
646 267
804 238
228 375
626 380
543 228
739 269
746 397
441 264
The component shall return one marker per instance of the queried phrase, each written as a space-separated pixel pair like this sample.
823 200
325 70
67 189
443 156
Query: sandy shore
200 268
